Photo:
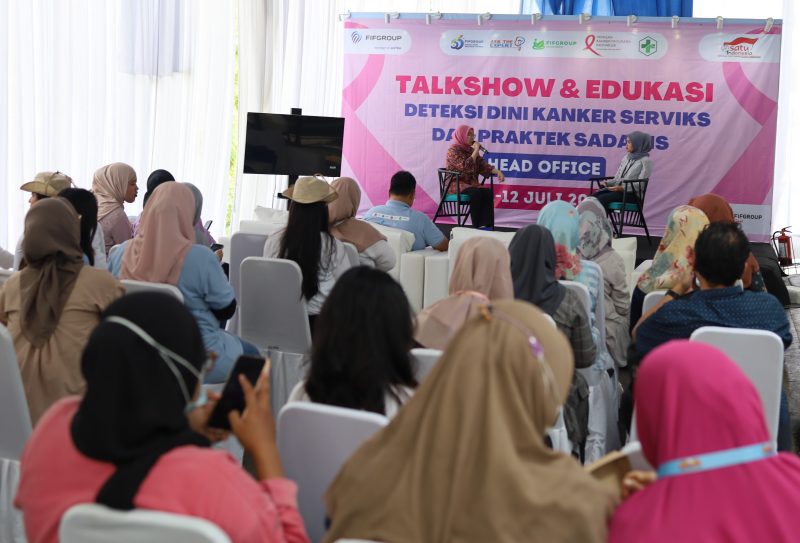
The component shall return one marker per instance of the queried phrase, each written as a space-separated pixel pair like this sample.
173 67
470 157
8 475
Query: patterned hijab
595 229
465 459
563 221
52 250
670 264
110 183
341 216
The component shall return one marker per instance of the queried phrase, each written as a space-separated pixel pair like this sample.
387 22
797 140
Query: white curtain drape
89 82
291 55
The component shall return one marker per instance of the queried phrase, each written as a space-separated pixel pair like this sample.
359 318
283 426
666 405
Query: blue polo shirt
731 307
400 215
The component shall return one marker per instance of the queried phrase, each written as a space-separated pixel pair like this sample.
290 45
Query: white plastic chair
243 245
637 273
352 254
15 420
132 286
425 359
759 353
94 523
651 299
314 441
4 275
273 310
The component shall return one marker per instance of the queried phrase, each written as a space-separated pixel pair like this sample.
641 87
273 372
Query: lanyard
716 460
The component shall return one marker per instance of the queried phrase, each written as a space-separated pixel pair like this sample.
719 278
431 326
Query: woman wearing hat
307 240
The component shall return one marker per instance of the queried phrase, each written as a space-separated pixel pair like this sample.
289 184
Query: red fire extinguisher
783 246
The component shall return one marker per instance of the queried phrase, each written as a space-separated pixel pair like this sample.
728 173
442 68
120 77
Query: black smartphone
216 247
232 394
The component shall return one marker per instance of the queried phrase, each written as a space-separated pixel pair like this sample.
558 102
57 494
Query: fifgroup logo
355 36
457 43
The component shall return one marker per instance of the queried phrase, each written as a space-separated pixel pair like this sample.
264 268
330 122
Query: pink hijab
109 185
691 399
482 272
165 236
460 136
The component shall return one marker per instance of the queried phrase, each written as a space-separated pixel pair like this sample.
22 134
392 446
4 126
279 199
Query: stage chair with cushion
630 211
314 440
144 286
94 523
424 362
759 353
451 205
15 427
243 245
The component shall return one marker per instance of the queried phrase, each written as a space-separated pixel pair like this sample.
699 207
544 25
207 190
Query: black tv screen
293 144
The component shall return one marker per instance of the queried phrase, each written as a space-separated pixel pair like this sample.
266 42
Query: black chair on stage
456 204
630 211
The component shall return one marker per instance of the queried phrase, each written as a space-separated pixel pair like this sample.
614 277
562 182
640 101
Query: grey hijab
533 267
642 144
199 232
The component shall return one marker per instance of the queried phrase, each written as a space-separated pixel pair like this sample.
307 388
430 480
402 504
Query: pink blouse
188 480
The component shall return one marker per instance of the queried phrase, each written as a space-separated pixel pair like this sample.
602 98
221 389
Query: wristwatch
672 293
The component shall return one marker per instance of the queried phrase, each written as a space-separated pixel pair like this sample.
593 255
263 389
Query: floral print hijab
562 220
595 229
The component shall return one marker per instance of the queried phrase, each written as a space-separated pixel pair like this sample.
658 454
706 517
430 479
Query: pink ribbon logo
590 39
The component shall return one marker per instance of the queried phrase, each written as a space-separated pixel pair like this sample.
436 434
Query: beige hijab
341 216
52 250
482 272
110 183
465 459
165 236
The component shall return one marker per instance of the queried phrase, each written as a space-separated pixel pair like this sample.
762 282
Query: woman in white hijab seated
373 249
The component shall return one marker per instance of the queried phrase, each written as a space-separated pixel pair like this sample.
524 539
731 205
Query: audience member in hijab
464 156
44 185
595 245
52 305
702 426
373 250
563 222
481 273
671 263
114 185
466 459
307 240
533 269
158 177
717 209
92 242
360 354
164 251
139 439
635 165
202 236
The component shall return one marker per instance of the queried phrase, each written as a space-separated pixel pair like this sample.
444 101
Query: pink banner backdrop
552 103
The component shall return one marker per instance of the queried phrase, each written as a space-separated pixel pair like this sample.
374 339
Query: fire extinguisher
783 246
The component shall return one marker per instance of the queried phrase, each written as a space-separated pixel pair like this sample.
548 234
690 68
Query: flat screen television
293 144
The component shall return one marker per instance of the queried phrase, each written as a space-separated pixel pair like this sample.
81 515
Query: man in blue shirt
720 253
397 213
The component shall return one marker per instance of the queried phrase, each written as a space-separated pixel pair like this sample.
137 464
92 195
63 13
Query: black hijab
133 410
158 177
533 268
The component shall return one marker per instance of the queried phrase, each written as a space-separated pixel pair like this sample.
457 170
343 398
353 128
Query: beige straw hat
310 190
48 183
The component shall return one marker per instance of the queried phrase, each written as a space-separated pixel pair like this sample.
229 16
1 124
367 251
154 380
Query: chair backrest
600 298
352 254
759 353
583 294
314 440
651 299
399 240
143 286
94 523
4 275
425 360
445 178
15 420
242 245
272 308
639 188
